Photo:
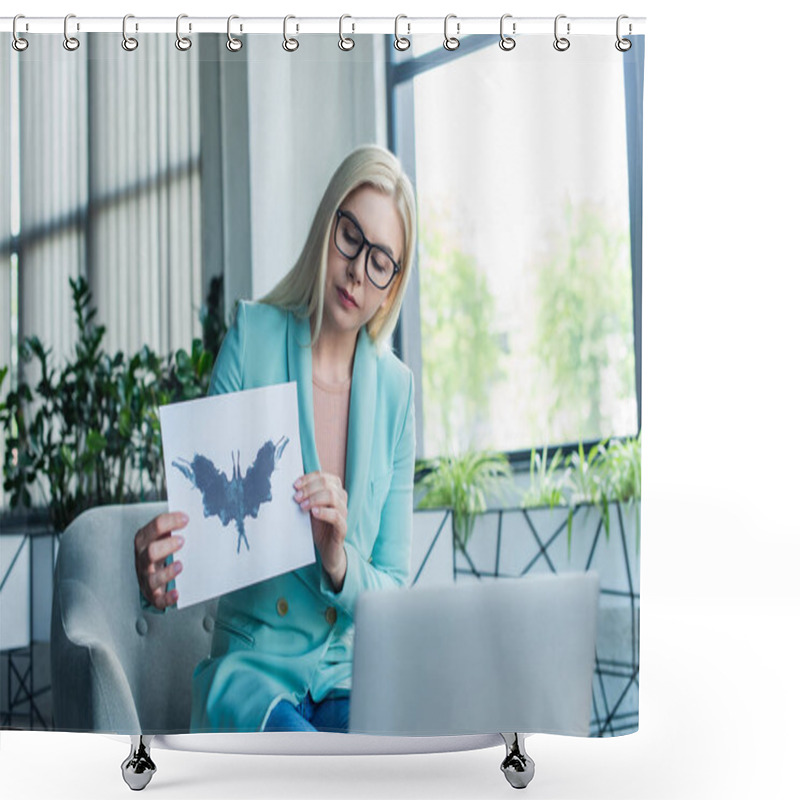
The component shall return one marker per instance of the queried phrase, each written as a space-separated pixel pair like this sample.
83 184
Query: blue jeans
331 714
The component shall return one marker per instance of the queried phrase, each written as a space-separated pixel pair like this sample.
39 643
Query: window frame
218 213
400 72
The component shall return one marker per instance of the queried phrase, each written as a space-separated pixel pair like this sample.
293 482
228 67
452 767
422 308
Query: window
106 185
525 333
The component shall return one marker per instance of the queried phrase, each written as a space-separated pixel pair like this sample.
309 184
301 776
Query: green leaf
197 350
205 364
125 427
183 362
569 532
95 442
66 454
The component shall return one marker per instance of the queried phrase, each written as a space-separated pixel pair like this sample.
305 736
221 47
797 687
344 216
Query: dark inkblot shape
238 497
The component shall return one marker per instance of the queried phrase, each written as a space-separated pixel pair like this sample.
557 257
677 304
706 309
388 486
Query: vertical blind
5 234
110 189
5 216
52 194
144 224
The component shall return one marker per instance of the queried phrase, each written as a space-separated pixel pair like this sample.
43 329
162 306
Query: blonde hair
302 289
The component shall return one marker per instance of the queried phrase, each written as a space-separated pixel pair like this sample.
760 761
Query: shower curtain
149 192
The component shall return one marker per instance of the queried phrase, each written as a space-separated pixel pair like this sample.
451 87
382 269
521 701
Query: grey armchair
115 667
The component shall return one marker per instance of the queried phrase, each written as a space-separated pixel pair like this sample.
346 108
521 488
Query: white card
230 462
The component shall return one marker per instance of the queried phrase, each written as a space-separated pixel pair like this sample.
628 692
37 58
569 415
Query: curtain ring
182 42
128 42
506 42
233 44
623 45
70 42
17 42
451 42
345 43
400 42
289 44
561 43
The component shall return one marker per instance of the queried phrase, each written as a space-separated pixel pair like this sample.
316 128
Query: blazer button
330 615
283 606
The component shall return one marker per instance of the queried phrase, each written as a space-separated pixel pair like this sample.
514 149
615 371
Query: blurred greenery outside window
525 290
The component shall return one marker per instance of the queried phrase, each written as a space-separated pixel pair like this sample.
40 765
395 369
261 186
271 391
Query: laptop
512 655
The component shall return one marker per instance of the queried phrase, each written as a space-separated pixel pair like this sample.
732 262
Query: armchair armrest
90 688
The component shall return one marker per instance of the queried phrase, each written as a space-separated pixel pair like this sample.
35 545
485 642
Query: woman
281 654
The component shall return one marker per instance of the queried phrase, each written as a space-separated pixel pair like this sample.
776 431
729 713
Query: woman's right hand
152 544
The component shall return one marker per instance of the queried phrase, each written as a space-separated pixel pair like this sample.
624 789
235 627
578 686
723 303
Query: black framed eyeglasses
350 240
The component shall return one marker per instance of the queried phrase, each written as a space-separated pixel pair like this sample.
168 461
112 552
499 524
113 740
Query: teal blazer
292 633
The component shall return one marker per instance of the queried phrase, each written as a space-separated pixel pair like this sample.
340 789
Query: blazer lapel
299 360
361 424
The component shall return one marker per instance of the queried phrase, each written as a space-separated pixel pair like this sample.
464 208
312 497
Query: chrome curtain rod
460 26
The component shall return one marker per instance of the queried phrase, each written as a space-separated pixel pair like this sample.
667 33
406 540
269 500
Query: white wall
295 146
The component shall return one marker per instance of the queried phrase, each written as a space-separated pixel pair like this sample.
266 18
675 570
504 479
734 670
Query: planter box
511 543
28 549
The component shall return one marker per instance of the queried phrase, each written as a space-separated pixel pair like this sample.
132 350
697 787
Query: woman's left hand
323 495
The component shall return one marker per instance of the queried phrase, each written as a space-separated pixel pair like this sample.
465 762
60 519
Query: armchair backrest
115 666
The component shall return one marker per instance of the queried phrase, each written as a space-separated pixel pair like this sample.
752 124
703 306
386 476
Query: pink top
331 413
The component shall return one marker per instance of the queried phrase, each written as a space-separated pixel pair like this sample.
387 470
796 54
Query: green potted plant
463 484
608 473
546 481
585 485
87 432
620 475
